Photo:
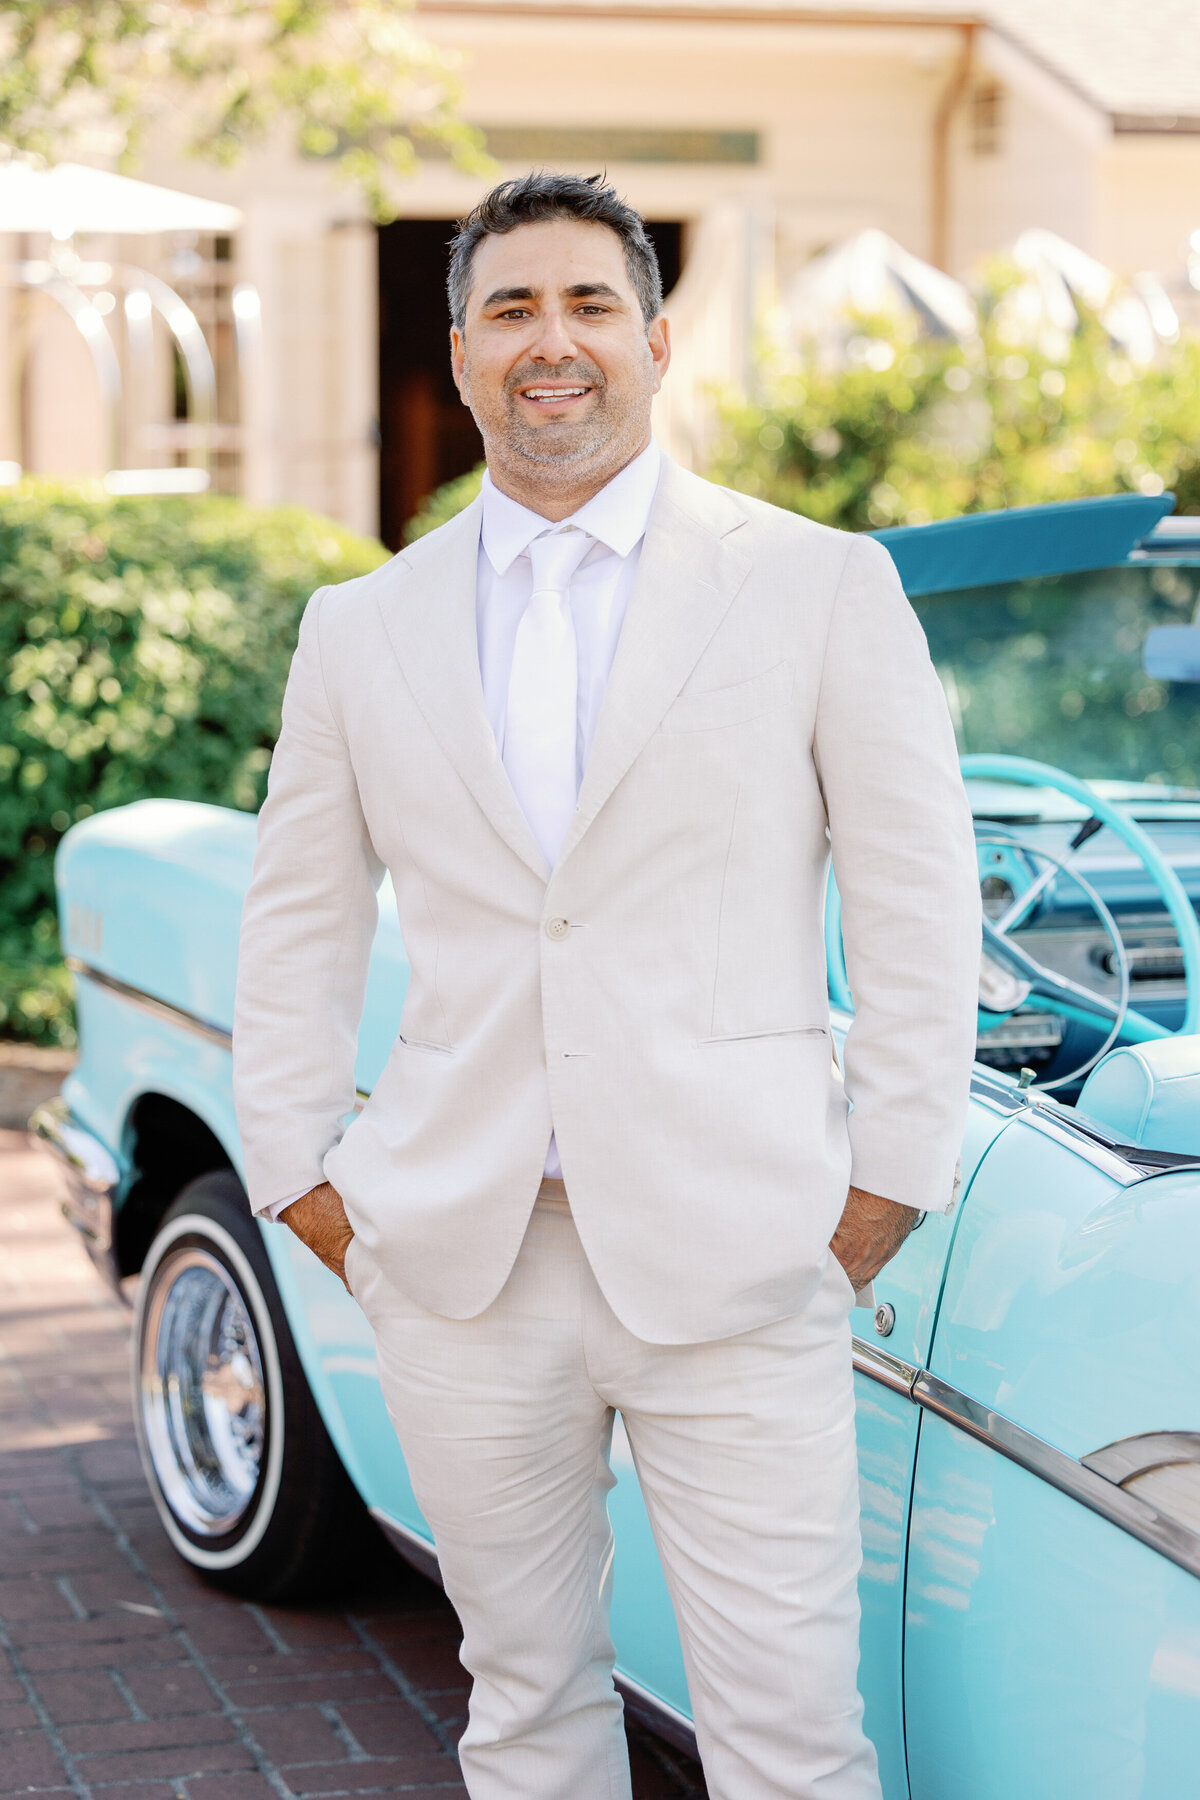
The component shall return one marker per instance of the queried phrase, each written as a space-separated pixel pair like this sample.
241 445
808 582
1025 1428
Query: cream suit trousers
745 1452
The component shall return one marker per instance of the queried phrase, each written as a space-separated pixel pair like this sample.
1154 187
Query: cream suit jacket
660 998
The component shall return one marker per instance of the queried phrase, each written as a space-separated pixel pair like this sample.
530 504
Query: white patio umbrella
870 273
1138 315
72 198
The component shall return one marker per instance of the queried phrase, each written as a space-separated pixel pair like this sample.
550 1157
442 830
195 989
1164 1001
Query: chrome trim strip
149 1003
1093 1481
991 1090
167 1010
1113 1154
1109 1161
90 1161
92 1179
1069 1476
884 1368
1124 1162
670 1724
659 1716
1130 1457
409 1544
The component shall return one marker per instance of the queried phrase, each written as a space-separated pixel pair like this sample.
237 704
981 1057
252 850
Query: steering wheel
1026 976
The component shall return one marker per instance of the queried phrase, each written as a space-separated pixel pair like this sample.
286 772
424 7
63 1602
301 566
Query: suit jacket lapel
430 621
690 570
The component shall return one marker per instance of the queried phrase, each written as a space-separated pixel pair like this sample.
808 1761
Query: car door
1052 1621
889 1347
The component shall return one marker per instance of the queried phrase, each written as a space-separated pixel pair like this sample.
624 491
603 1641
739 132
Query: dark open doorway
427 436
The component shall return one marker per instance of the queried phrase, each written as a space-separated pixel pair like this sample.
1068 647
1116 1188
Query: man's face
554 360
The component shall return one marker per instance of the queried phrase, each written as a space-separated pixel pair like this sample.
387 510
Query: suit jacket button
557 928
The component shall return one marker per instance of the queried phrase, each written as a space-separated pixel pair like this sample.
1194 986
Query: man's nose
554 342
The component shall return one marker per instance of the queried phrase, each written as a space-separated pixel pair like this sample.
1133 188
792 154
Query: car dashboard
1065 933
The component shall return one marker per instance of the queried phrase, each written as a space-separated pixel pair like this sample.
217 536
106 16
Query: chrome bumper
92 1180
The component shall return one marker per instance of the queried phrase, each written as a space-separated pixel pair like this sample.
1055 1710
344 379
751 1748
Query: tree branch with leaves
346 81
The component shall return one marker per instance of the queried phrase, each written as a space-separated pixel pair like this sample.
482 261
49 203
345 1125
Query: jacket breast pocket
716 707
770 1031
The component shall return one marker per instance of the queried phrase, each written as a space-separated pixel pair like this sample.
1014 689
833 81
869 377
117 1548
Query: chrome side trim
658 1715
1094 1481
1100 1155
150 1003
1116 1156
92 1182
409 1544
91 1163
1130 1457
888 1370
91 1171
1076 1125
168 1011
1069 1476
1005 1098
991 1091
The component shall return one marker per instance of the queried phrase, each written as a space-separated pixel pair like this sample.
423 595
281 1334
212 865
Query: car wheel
242 1470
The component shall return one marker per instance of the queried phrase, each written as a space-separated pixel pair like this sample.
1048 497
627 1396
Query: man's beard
574 443
565 443
557 445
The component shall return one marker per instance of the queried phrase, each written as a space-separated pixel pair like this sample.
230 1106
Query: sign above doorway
598 146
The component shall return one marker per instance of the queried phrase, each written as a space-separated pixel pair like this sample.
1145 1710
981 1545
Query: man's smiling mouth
550 396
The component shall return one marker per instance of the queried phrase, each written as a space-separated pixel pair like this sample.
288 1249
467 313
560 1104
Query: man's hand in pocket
319 1220
869 1233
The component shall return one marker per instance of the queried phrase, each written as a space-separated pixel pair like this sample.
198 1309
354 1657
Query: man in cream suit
602 730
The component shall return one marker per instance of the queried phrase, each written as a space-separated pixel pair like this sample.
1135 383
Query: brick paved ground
122 1676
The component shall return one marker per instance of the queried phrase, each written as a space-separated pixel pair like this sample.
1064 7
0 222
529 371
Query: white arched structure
71 201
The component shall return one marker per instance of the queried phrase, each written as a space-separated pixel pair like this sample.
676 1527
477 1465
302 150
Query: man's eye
514 312
593 309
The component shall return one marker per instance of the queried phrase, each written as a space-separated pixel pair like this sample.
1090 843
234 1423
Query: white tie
543 692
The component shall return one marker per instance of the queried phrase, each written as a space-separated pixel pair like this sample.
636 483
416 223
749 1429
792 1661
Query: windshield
1052 669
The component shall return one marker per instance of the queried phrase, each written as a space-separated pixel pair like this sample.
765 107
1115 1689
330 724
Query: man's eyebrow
582 290
499 296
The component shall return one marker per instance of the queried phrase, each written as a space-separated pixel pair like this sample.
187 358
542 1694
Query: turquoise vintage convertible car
1029 1385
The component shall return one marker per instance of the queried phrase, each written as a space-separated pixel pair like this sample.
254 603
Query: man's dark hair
530 199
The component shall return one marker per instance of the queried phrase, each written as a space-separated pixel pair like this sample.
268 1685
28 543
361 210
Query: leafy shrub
915 429
146 644
442 505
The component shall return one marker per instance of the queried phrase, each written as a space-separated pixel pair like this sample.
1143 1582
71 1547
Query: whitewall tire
247 1484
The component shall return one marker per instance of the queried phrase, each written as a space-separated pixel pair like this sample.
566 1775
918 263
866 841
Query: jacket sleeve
904 856
307 928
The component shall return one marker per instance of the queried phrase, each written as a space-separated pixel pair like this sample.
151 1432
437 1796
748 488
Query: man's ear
458 360
658 336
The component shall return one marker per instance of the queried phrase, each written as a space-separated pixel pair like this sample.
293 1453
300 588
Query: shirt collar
617 515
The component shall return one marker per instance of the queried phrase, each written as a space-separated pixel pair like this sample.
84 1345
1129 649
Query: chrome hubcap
203 1397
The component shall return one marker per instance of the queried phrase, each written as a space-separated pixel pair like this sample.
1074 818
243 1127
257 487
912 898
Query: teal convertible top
1056 539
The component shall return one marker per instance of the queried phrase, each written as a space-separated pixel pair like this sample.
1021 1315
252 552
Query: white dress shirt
616 518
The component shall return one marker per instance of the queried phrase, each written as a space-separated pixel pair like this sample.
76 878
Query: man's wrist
277 1208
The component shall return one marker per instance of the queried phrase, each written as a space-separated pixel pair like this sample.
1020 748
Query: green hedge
146 643
444 503
912 429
